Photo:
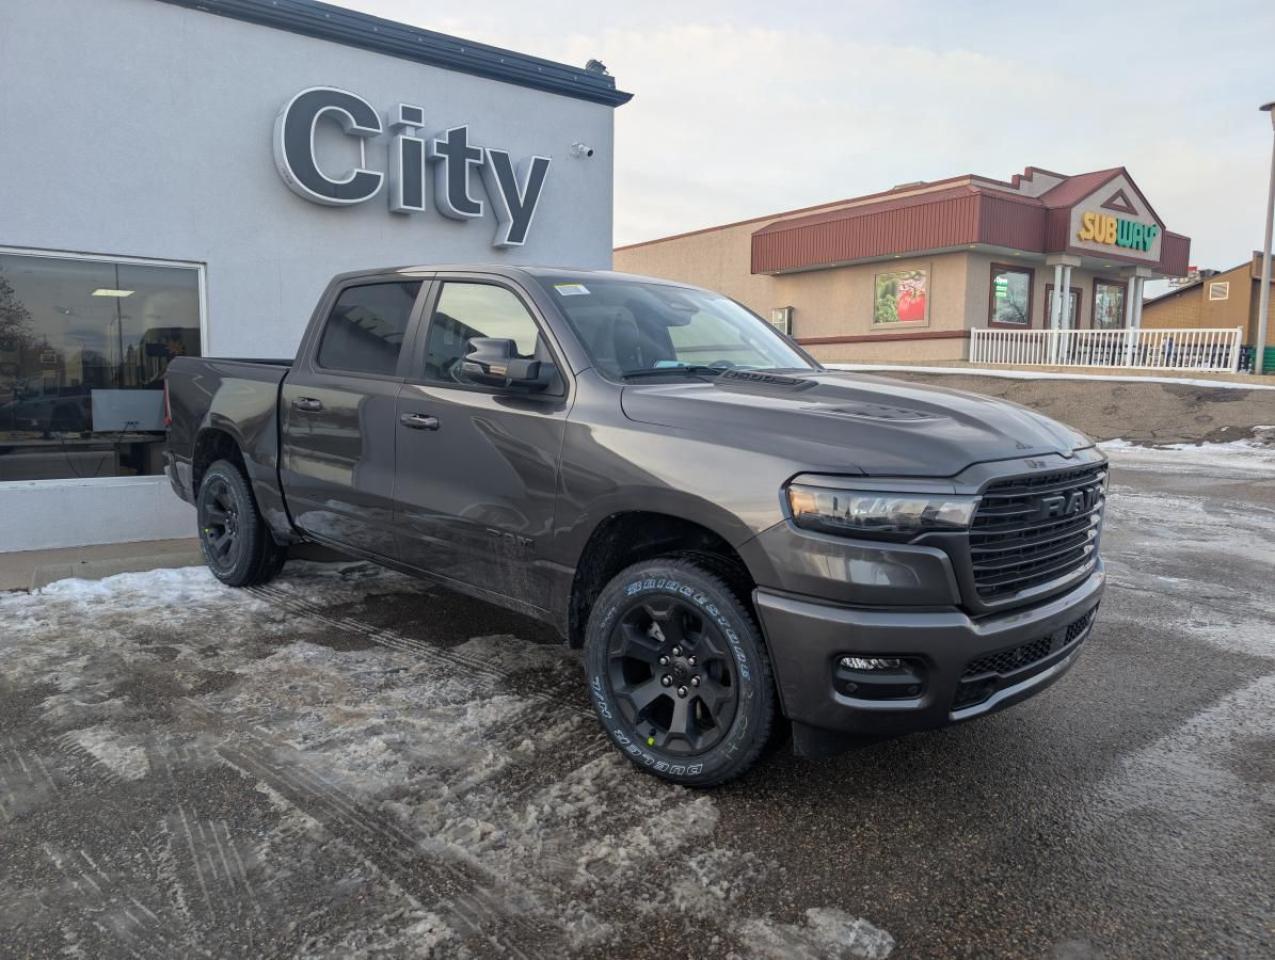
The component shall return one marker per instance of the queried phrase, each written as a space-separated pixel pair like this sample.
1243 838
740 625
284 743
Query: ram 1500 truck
731 532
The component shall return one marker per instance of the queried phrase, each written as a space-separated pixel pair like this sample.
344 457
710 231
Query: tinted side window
364 332
468 310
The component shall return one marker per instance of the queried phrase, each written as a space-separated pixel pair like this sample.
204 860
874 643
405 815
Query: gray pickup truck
731 532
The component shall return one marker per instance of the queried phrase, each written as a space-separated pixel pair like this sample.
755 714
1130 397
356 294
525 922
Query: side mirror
494 362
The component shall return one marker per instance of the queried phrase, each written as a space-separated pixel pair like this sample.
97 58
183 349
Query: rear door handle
419 421
309 404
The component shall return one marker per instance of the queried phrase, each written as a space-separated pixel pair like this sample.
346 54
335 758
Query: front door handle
308 404
419 421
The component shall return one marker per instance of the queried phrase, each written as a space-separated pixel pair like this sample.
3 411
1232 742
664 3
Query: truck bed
237 400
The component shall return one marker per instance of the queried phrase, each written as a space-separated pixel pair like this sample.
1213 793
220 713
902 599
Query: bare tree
15 318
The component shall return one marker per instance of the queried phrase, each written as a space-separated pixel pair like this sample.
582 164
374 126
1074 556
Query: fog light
871 663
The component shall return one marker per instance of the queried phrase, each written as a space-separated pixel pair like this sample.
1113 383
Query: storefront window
901 296
1108 305
1011 296
83 349
1070 319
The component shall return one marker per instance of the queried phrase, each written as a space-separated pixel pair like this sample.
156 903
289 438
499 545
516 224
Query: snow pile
1261 443
1253 457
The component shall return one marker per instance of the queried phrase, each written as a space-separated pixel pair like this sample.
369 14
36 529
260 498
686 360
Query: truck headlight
858 512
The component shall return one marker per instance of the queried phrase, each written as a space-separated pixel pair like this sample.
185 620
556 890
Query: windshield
628 327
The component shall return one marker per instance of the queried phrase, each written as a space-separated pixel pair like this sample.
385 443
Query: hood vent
882 411
742 377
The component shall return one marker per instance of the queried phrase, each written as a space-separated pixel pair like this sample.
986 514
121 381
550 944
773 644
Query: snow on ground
258 758
1209 568
1252 456
825 935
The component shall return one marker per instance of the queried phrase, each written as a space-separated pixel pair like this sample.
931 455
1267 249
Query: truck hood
832 421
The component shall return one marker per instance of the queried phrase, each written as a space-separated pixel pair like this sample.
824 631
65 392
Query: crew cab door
337 415
478 466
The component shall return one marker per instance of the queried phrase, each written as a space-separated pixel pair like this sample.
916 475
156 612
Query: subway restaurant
907 273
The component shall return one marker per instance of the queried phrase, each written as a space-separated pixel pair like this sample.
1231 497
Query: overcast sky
747 108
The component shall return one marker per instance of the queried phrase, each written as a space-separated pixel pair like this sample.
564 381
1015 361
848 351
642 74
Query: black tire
235 541
674 617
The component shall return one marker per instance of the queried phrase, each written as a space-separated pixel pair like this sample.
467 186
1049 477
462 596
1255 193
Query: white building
184 177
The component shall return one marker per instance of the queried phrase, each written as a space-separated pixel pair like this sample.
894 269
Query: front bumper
950 649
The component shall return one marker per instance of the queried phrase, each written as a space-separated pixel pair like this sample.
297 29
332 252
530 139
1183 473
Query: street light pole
1264 300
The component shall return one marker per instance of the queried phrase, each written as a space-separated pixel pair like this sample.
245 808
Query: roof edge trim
351 28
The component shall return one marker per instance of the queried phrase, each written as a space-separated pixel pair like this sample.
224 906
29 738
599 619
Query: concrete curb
33 569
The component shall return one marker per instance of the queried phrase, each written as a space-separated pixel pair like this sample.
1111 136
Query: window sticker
571 289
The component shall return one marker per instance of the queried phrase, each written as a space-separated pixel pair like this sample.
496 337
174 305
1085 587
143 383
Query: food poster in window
901 296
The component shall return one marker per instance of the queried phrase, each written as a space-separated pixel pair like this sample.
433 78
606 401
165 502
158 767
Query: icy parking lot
348 763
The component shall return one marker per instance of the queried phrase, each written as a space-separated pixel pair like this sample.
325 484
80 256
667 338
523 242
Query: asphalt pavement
347 763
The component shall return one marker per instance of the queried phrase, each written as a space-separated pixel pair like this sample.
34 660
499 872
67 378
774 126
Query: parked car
732 533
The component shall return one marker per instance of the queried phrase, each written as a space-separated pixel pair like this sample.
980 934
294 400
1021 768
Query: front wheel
235 541
678 673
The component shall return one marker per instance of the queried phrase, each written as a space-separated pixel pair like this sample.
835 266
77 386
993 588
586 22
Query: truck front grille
1033 530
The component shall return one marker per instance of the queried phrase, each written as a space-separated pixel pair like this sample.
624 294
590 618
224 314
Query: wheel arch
219 439
626 537
214 443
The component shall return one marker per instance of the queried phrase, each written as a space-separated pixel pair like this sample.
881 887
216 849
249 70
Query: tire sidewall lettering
735 741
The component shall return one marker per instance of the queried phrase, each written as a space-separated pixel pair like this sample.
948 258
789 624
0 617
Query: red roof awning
970 213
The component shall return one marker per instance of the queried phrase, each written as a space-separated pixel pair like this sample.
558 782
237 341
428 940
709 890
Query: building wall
891 350
102 510
1193 308
138 128
1179 311
716 259
839 301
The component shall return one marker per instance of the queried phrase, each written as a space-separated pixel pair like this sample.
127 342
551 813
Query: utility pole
1264 301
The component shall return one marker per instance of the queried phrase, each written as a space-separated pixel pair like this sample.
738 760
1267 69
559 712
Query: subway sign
1116 231
512 189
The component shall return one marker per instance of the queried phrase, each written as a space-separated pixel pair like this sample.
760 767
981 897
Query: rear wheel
235 541
678 673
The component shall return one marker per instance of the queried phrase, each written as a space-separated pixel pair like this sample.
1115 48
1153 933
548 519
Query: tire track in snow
25 781
475 906
117 914
472 905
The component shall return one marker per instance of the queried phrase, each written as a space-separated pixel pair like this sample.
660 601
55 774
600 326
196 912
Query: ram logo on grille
1068 504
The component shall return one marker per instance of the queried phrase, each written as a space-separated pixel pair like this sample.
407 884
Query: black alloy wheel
235 541
220 523
678 671
671 671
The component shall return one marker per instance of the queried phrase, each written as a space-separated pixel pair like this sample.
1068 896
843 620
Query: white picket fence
1215 349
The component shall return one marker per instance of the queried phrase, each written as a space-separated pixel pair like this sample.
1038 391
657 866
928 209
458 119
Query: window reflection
83 349
1108 305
